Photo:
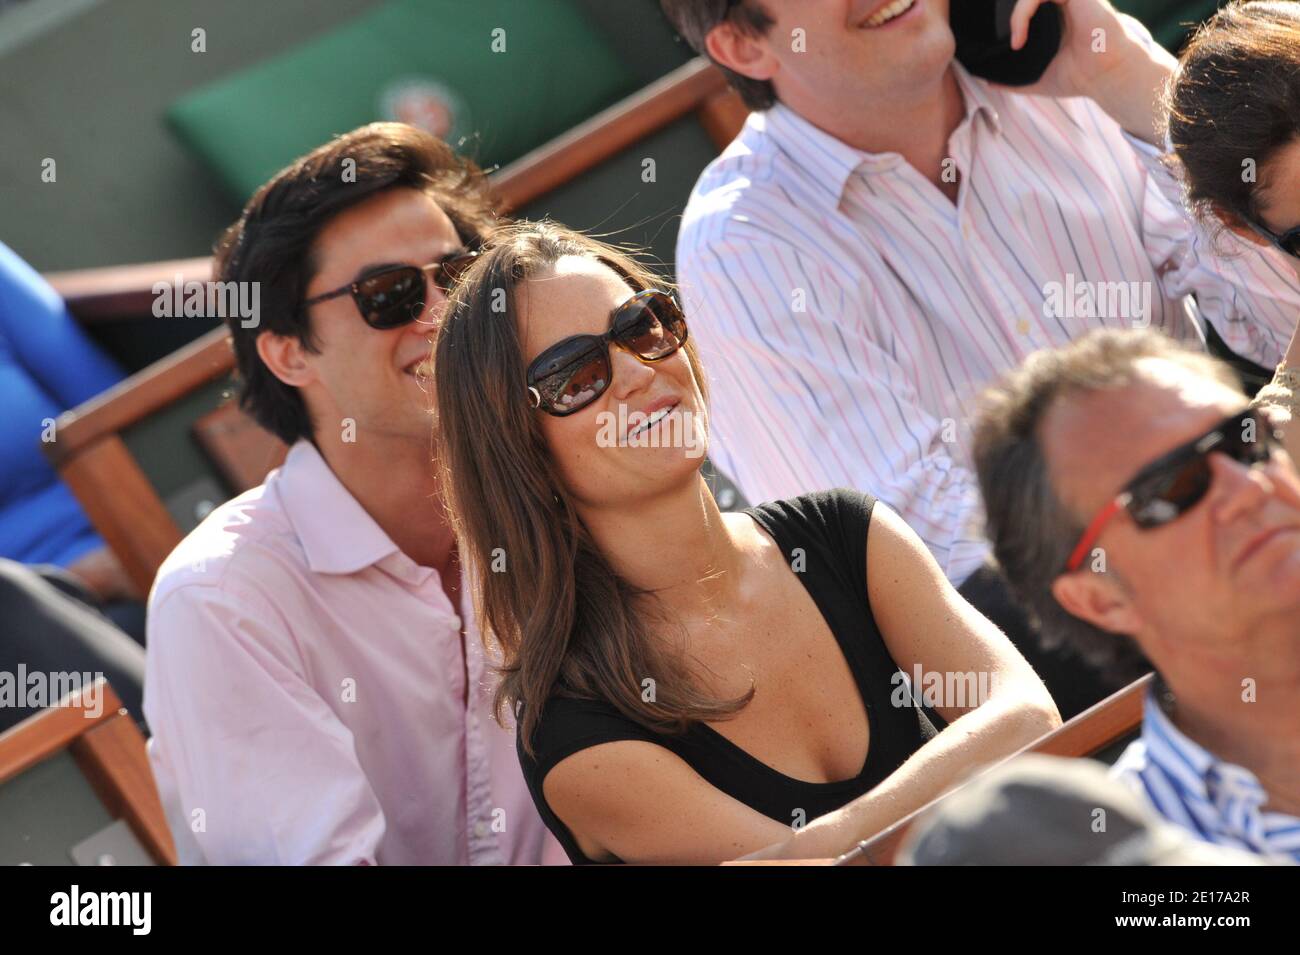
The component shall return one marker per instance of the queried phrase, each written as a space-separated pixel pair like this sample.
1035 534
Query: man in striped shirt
1219 801
1134 498
889 233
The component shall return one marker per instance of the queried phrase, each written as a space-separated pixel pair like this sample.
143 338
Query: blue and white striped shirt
848 313
1217 801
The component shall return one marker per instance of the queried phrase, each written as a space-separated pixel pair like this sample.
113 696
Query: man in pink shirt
315 685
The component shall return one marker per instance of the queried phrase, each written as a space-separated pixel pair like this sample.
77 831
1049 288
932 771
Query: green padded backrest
46 811
164 446
615 202
512 73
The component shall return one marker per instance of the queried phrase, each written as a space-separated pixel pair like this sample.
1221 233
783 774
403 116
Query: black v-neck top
831 529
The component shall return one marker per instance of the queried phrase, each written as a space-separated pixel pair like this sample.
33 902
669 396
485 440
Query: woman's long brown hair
1233 103
563 619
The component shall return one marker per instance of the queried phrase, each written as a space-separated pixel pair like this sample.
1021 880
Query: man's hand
1100 59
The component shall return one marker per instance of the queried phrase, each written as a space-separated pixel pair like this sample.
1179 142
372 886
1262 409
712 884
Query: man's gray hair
1032 530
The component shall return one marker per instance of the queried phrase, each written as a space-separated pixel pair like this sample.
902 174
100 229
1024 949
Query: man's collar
832 161
1199 771
980 97
828 160
337 534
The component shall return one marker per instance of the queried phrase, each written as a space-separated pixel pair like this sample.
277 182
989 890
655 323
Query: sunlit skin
581 302
1279 189
901 69
367 375
1213 597
891 88
361 372
746 618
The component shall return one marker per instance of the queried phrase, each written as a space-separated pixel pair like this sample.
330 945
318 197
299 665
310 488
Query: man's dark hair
272 239
693 19
1032 530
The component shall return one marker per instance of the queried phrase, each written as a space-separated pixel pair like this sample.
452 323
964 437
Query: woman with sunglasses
1234 127
689 685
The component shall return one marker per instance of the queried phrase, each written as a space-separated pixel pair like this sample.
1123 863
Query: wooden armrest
109 750
108 294
1087 733
243 451
201 361
93 460
88 450
780 862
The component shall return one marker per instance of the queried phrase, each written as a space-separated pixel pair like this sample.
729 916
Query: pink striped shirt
306 687
849 313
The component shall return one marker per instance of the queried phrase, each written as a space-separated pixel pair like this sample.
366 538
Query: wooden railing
110 752
89 452
1088 733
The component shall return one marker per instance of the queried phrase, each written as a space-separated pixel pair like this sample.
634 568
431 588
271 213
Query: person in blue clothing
61 589
47 365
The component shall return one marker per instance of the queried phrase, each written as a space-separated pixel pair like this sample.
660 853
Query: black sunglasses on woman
574 372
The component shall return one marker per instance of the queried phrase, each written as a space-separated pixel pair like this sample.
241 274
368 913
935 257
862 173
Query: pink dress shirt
304 688
849 315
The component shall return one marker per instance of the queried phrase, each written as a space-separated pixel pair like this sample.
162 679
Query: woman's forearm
1003 725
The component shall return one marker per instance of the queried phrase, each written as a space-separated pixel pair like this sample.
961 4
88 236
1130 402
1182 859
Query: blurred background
160 133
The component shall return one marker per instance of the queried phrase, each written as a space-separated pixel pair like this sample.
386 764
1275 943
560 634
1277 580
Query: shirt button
1022 326
480 830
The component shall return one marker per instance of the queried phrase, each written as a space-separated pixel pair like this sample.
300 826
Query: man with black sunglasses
1137 502
315 683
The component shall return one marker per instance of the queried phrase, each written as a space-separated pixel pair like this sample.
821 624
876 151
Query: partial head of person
1043 810
353 247
1130 490
844 51
568 392
1234 121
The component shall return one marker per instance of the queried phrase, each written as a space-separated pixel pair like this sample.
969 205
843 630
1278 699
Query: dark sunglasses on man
575 371
396 295
1176 482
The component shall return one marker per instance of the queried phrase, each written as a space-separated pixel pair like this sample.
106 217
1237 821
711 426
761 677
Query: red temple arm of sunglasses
1094 531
